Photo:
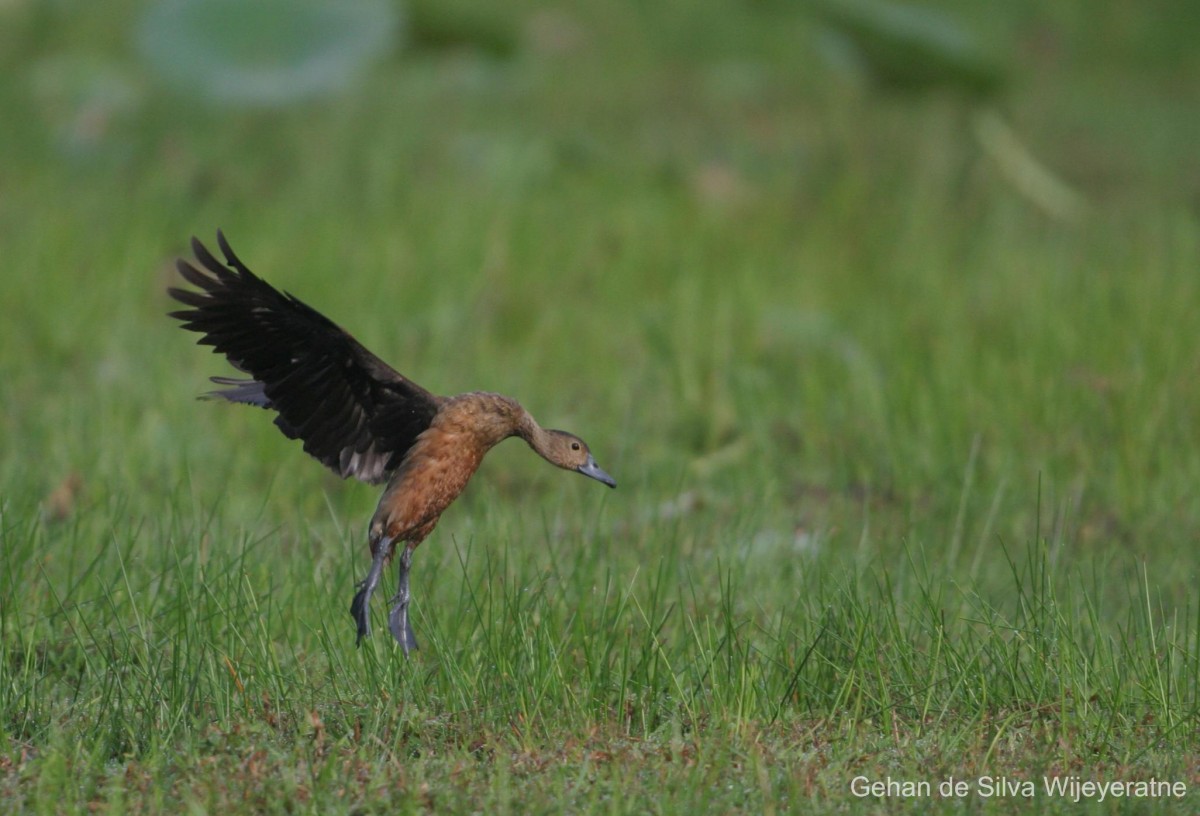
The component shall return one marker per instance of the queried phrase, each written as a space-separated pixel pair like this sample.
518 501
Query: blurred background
803 273
883 315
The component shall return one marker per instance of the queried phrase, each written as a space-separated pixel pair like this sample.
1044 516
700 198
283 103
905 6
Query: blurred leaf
442 25
267 52
1031 178
905 47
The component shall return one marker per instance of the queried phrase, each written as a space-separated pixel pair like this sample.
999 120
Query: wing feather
353 412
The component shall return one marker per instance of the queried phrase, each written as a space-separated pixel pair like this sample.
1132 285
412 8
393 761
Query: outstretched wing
353 411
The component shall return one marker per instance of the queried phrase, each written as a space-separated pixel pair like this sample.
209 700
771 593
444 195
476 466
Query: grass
907 471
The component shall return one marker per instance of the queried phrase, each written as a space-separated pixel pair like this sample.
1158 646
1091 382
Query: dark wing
353 411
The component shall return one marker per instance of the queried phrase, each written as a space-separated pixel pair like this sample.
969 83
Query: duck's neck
528 429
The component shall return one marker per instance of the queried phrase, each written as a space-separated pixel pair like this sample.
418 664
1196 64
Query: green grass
907 470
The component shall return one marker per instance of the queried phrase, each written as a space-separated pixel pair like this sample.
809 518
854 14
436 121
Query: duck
356 414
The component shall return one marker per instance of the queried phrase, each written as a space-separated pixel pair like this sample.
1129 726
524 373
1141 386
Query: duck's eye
574 446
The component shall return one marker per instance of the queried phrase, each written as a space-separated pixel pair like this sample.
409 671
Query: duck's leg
360 607
398 618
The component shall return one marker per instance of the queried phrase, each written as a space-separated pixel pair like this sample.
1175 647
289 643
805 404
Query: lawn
907 463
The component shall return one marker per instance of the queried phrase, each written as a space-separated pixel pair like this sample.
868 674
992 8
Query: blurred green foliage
266 53
908 47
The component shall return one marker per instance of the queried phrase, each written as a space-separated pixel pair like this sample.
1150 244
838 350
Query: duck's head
570 452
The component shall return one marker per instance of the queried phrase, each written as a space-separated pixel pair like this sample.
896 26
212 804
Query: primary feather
353 412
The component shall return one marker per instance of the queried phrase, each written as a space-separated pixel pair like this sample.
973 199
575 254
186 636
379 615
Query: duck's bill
590 468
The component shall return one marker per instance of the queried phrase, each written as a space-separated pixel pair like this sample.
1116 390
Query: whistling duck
355 413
